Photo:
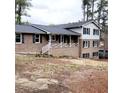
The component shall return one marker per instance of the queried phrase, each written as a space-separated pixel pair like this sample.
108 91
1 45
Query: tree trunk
19 15
87 13
84 13
93 9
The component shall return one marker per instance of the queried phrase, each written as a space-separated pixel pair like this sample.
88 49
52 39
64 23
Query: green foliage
96 10
20 9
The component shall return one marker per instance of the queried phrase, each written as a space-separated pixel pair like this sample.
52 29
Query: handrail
46 48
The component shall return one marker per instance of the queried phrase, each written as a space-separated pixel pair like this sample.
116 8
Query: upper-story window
18 38
95 32
86 31
86 44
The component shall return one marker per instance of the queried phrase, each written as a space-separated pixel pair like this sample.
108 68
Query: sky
47 12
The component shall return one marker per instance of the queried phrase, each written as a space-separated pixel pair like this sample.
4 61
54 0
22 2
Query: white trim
96 43
95 34
86 45
37 38
20 39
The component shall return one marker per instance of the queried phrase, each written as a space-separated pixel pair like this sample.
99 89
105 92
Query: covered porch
60 41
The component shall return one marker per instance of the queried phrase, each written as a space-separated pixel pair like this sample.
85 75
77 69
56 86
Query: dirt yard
55 75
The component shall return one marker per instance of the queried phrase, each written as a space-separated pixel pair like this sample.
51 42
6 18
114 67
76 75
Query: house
79 39
103 52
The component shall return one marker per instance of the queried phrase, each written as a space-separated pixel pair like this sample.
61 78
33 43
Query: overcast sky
54 11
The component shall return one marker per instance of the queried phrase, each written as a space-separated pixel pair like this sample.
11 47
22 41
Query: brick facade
70 51
28 46
90 49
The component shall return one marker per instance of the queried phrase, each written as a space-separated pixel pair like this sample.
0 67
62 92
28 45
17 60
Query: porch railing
46 48
62 45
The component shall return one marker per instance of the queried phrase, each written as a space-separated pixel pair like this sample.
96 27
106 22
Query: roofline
41 29
93 21
30 32
73 27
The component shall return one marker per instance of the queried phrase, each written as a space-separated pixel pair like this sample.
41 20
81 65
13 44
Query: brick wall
28 46
91 49
74 51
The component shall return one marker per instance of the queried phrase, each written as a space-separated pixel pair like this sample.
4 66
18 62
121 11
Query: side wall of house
90 38
28 46
90 49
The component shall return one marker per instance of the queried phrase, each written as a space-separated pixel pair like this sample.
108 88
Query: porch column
70 40
61 40
50 39
50 36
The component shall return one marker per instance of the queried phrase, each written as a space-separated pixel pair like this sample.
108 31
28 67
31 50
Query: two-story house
79 39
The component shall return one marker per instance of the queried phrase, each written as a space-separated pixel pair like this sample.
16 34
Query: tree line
96 10
92 10
20 9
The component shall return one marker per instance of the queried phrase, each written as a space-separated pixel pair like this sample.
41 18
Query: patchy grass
101 65
72 75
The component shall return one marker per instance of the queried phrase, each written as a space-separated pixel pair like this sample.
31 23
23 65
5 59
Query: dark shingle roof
55 30
27 29
76 24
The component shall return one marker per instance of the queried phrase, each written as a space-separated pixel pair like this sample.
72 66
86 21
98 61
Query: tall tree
88 12
85 4
93 5
20 9
101 7
96 10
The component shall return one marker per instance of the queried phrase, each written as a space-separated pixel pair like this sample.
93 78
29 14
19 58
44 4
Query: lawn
60 75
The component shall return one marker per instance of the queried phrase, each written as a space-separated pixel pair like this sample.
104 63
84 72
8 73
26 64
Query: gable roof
77 24
27 29
55 30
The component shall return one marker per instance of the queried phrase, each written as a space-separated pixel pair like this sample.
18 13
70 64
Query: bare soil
55 75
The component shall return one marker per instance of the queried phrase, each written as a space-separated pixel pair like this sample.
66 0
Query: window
86 55
37 38
53 37
95 43
95 54
18 38
86 31
95 32
86 44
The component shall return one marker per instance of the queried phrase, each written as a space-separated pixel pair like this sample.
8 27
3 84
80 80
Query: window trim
20 38
86 45
86 31
87 55
96 32
95 55
94 43
37 38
